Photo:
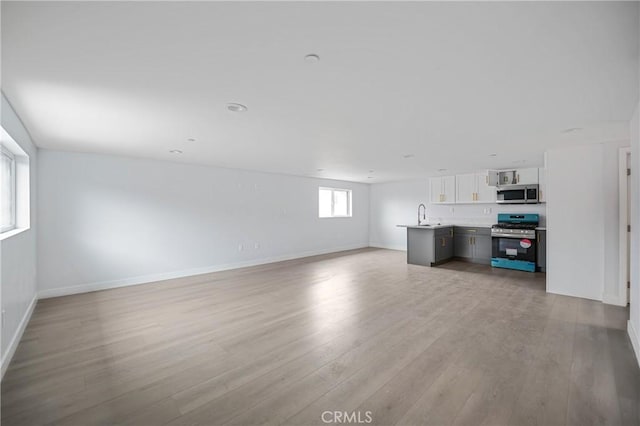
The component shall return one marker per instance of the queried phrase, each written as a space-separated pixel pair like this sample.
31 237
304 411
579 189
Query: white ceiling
450 83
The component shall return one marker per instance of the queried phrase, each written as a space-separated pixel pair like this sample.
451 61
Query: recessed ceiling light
234 107
175 151
320 170
442 170
493 155
572 129
370 171
312 58
191 140
369 177
408 156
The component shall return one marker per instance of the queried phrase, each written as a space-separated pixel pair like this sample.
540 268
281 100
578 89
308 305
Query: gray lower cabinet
473 244
541 250
482 249
444 245
462 245
427 247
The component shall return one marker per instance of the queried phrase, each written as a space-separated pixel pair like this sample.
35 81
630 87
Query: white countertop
445 225
466 225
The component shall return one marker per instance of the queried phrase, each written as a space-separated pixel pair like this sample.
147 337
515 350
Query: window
7 191
333 202
15 197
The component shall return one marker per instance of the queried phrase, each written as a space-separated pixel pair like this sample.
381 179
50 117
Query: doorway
624 193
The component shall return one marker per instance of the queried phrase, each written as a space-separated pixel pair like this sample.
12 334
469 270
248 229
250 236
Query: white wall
396 203
107 221
18 252
634 319
582 221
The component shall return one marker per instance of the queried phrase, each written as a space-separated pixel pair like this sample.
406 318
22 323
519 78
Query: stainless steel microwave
517 194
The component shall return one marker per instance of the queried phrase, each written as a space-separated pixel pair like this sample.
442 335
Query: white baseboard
125 282
388 246
13 345
614 300
635 340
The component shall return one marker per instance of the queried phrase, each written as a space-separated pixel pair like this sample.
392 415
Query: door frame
623 220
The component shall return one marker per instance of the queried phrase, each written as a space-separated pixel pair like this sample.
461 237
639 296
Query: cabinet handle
517 178
442 242
486 179
474 241
470 241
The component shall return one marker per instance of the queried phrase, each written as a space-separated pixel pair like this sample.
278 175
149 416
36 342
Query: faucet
424 214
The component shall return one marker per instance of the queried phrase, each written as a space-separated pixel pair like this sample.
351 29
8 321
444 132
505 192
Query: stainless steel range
513 241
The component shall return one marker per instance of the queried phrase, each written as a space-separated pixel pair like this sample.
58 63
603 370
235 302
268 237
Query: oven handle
515 236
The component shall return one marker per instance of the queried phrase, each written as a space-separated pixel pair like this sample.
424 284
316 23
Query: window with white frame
15 204
7 190
334 202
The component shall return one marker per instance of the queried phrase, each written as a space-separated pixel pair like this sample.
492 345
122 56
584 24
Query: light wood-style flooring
354 332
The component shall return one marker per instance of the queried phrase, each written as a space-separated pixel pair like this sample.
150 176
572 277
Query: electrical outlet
240 247
256 246
450 209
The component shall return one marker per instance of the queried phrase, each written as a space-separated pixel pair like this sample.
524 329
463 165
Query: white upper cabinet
486 193
442 189
542 182
513 177
474 188
526 176
449 189
435 190
466 188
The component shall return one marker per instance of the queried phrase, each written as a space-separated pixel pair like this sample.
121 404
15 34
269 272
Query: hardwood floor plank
358 331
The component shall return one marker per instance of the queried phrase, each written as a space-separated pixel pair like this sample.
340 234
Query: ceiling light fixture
235 107
442 170
572 129
312 58
369 177
191 140
493 155
408 156
175 151
320 170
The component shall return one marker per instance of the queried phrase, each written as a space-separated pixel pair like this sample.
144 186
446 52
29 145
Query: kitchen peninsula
432 245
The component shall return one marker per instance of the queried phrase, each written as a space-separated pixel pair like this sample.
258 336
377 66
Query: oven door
519 248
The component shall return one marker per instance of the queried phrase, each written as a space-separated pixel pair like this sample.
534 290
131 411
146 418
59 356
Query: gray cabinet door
462 246
482 248
541 250
443 248
420 245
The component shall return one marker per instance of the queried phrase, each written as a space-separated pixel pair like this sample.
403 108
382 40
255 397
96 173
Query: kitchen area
514 239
